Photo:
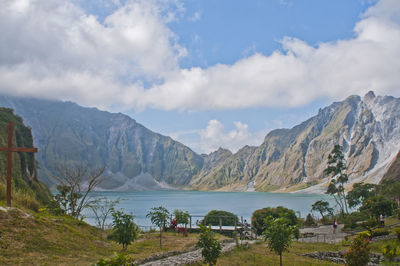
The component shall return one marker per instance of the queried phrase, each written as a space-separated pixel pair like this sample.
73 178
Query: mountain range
293 159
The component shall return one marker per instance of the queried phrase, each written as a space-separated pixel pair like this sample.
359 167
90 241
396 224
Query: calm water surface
201 202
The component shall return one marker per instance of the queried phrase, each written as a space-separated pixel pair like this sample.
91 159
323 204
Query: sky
210 73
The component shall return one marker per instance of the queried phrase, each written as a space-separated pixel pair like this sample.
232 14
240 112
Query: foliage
322 207
102 208
258 217
125 230
336 168
391 190
397 231
181 217
390 251
379 232
278 234
360 192
182 230
212 218
159 217
118 259
358 253
354 219
76 182
377 205
310 221
211 248
173 224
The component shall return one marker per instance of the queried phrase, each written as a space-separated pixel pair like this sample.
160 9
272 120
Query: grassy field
27 238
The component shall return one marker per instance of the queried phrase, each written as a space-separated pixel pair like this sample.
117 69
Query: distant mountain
24 171
137 158
292 159
288 160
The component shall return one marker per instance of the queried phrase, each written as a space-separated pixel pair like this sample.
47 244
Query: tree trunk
280 259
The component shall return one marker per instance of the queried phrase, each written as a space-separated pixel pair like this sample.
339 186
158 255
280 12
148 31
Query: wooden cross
10 149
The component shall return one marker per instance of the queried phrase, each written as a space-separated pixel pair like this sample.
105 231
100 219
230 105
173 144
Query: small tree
258 217
278 235
76 182
181 217
159 217
227 218
125 230
211 248
310 221
102 208
336 168
358 254
377 205
322 207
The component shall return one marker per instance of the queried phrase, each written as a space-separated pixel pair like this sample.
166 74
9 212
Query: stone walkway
190 257
323 233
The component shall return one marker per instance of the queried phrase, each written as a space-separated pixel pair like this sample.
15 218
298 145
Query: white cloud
195 17
53 49
215 136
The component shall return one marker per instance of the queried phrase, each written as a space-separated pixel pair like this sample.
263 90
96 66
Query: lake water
199 203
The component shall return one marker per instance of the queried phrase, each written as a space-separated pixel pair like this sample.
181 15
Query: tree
159 217
227 218
258 217
181 217
336 168
211 248
75 183
102 208
391 190
377 205
125 230
360 192
322 207
278 235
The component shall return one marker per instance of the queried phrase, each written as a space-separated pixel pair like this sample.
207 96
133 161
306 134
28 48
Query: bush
124 229
310 221
212 218
116 260
390 251
397 231
379 232
258 217
354 220
358 254
27 200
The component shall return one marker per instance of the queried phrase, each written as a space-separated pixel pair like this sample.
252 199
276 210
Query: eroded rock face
367 127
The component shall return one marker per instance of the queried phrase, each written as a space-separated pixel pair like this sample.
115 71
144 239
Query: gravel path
191 257
323 233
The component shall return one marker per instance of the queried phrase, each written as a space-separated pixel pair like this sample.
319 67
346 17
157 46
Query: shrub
258 217
228 218
358 254
26 199
390 251
116 260
379 232
354 220
310 221
397 231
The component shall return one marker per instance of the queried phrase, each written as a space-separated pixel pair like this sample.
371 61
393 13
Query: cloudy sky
207 73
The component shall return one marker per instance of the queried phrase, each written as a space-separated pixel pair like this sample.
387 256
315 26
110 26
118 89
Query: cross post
10 149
